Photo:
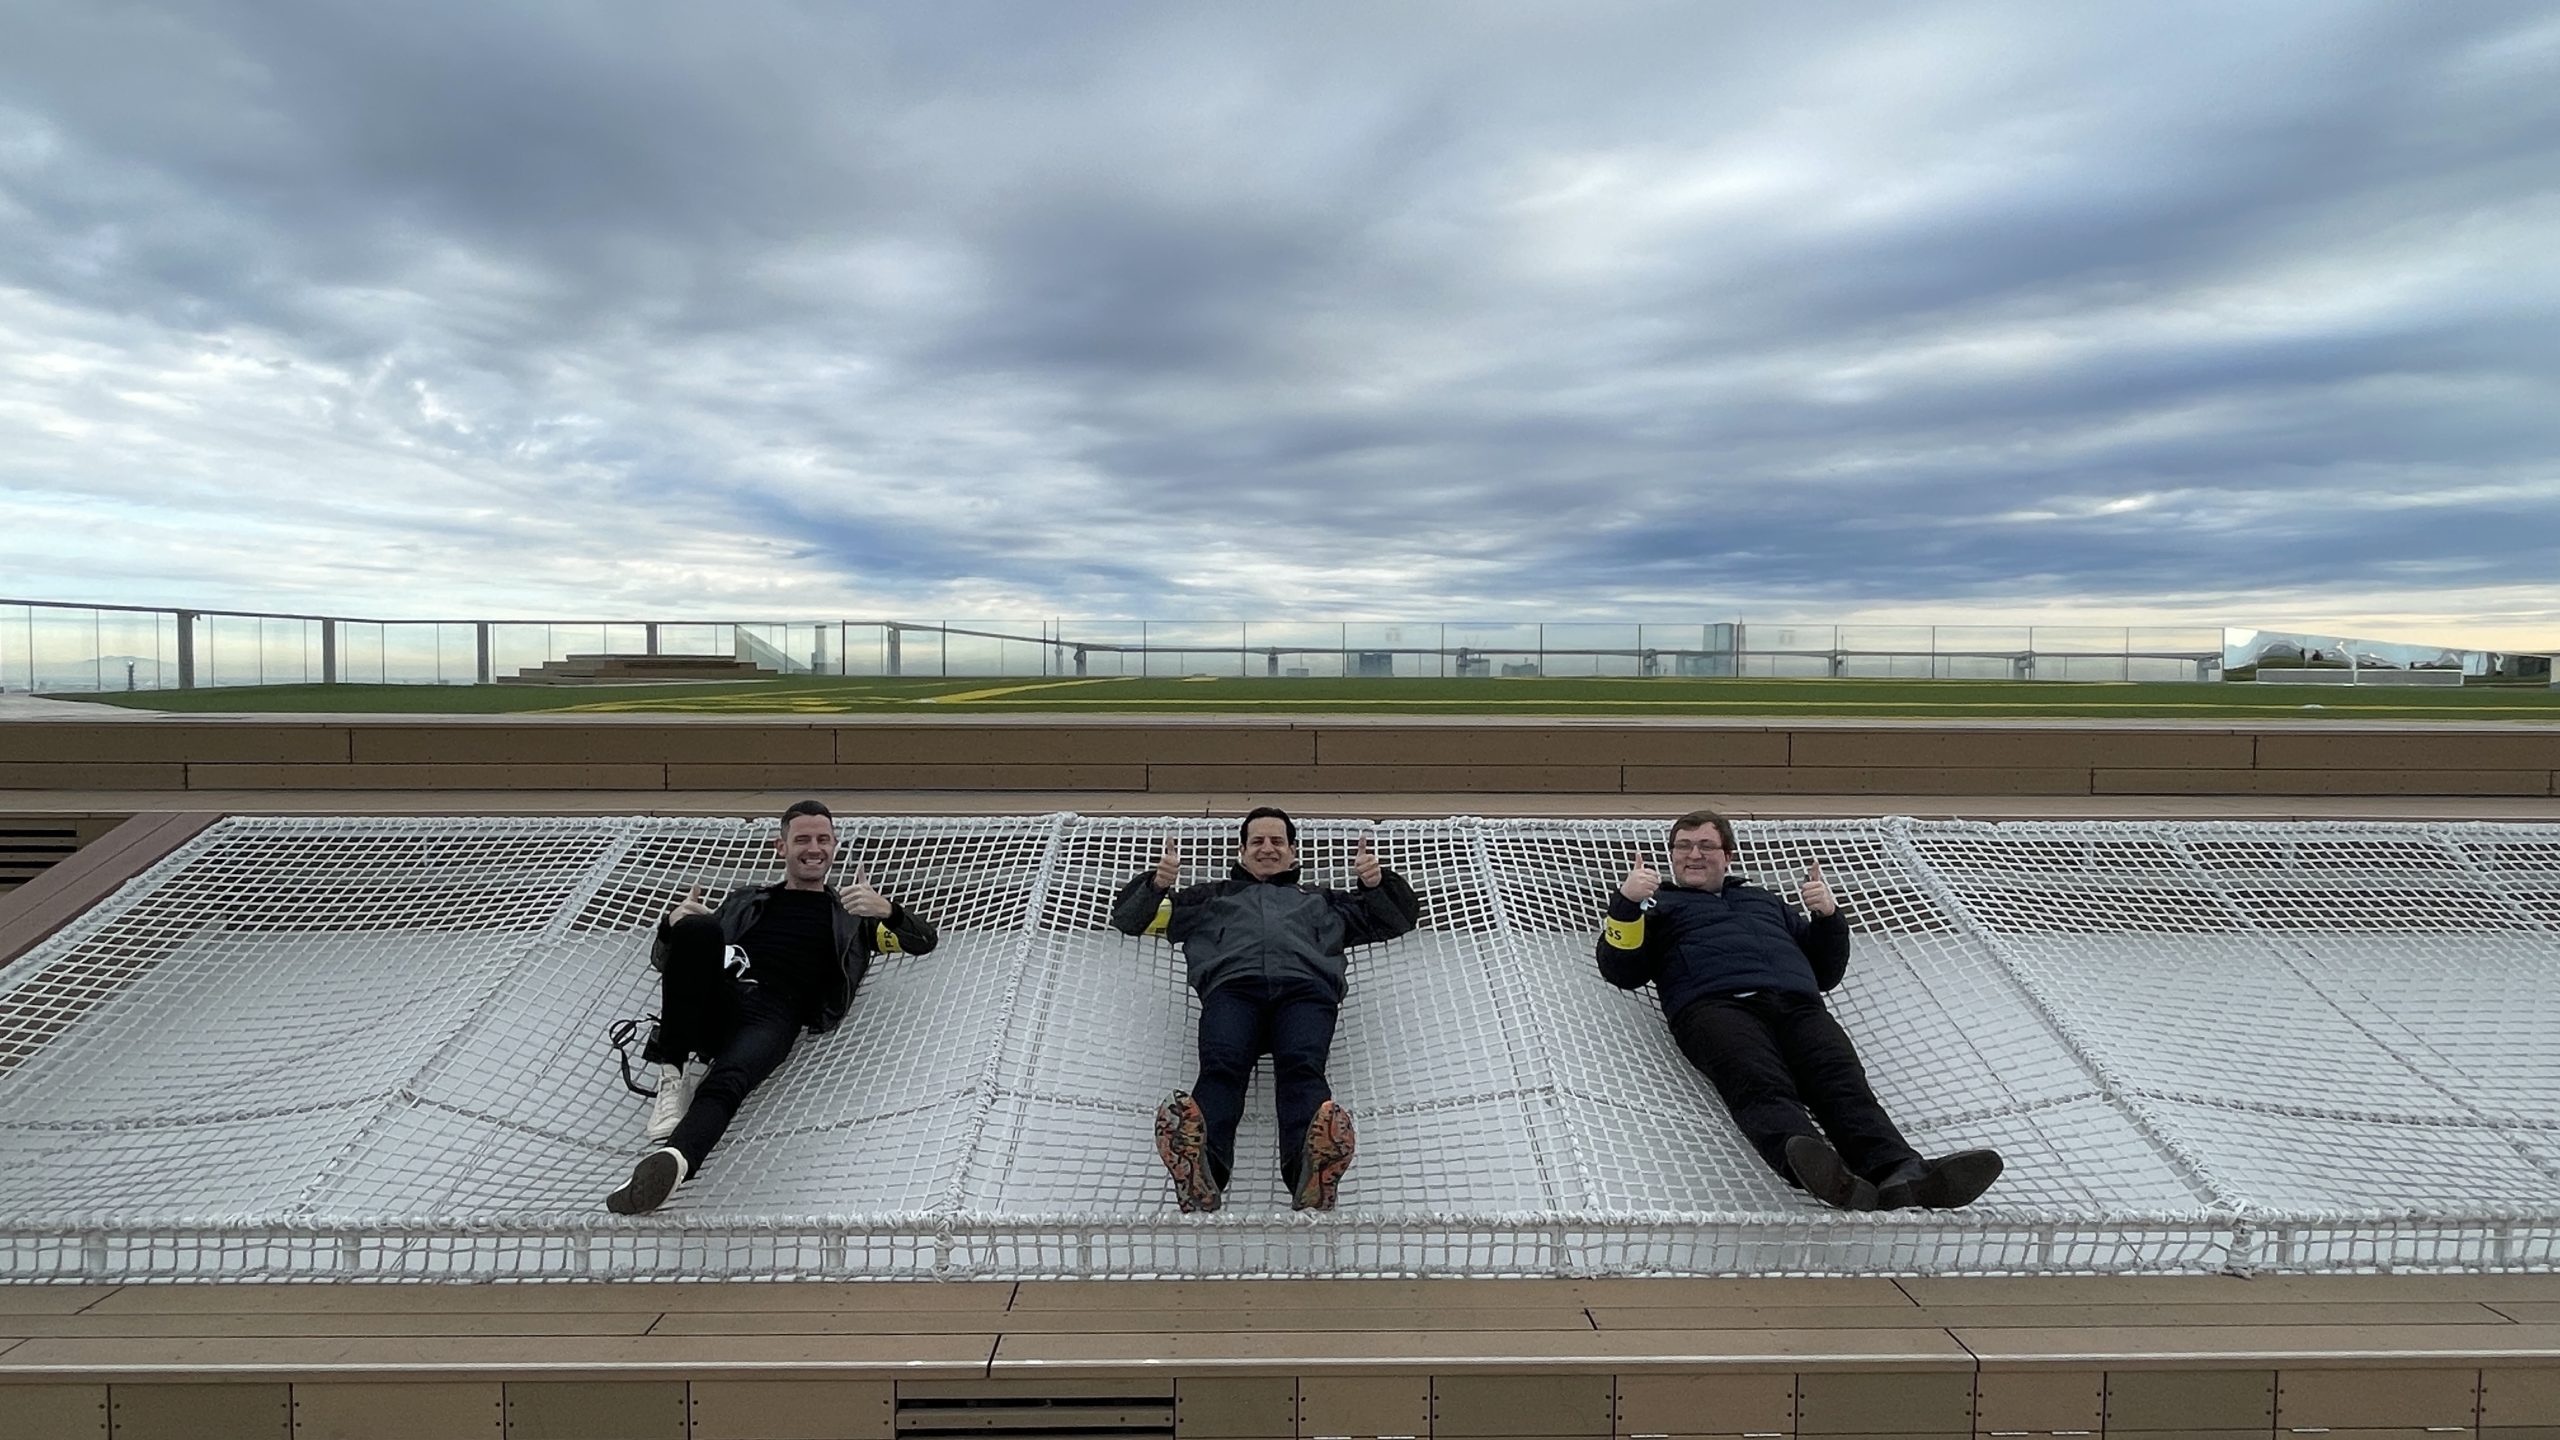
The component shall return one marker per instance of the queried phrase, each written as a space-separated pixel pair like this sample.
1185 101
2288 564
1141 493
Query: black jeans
1782 1064
1291 1021
739 1027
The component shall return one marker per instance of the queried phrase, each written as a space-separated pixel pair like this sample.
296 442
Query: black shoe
1825 1176
652 1181
1945 1183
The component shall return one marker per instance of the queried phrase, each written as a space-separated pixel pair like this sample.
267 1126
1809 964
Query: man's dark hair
807 807
1244 827
1696 818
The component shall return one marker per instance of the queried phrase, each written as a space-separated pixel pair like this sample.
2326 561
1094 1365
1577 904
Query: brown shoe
1182 1142
1329 1146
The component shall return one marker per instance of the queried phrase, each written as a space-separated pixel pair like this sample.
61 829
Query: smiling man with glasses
1741 974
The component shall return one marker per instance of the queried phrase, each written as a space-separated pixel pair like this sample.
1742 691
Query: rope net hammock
360 1048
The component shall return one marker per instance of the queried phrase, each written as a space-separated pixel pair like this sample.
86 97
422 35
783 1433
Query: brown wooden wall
2348 1357
1306 755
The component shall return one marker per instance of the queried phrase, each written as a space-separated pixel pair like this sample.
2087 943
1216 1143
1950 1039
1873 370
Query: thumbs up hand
1364 864
860 899
1168 865
1815 893
1642 880
691 904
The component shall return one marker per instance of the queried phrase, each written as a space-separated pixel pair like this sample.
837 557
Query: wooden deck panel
1116 1320
410 1410
32 911
2010 1317
2226 1289
987 1298
468 1355
1294 755
287 1323
2304 1344
2163 1358
1406 1352
53 1299
1367 1294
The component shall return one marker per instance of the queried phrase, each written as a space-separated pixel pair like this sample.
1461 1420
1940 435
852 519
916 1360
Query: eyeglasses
1696 847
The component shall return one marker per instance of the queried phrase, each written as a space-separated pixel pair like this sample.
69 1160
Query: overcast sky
2226 311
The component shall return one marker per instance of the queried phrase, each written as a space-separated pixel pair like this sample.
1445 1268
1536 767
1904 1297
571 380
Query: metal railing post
328 652
481 629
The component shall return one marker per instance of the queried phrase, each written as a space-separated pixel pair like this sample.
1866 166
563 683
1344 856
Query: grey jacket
1276 929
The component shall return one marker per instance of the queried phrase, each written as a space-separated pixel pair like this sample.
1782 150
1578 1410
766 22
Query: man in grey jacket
1264 951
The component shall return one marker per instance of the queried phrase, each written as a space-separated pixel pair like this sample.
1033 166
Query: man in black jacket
739 984
1265 954
1741 975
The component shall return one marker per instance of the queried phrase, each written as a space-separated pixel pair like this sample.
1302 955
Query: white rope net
366 1048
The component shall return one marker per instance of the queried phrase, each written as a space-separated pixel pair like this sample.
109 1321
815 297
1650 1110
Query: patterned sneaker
1327 1154
675 1096
652 1181
1182 1142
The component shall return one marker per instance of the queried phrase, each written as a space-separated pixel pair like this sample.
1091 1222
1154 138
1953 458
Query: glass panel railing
229 651
1406 649
862 649
136 650
1179 648
1590 649
87 648
693 639
1294 649
1979 652
17 648
515 649
996 648
63 651
1096 648
288 651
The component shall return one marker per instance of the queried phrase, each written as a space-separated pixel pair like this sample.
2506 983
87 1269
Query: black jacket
1275 928
1695 943
858 938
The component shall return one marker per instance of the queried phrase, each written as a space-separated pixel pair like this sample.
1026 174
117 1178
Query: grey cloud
949 303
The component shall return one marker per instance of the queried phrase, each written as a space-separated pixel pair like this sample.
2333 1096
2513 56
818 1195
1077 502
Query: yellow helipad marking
968 695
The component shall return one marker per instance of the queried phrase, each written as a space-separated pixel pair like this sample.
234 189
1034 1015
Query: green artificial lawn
1545 696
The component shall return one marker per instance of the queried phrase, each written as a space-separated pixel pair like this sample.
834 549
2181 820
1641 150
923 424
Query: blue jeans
1291 1020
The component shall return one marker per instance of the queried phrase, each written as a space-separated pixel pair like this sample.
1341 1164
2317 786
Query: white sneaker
652 1181
675 1096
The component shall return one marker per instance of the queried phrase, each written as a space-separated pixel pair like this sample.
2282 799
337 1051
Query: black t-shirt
792 950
